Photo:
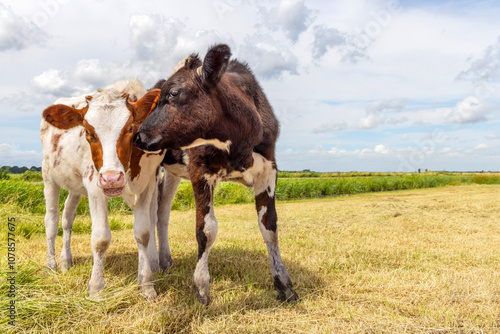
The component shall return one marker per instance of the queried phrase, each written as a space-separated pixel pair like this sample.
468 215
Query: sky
383 86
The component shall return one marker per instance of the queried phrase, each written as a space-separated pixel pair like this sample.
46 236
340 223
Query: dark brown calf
218 125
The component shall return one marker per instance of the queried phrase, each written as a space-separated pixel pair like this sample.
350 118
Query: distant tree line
21 170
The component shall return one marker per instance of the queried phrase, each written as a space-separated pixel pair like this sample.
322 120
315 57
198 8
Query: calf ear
142 108
64 117
215 64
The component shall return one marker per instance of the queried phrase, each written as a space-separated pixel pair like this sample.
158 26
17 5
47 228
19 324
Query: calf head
110 120
189 105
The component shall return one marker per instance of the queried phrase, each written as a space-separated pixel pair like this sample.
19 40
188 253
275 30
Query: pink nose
112 180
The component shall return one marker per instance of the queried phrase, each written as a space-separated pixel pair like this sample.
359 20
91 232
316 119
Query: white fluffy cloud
387 105
158 43
49 81
153 36
470 110
347 75
487 67
326 38
369 122
332 126
292 17
481 147
268 58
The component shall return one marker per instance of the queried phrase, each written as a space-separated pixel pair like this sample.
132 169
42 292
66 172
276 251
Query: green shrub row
28 196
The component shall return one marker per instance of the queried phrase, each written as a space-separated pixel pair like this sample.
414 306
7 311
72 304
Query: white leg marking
68 217
261 175
51 193
269 236
153 217
271 239
201 277
211 227
266 183
100 239
169 188
142 236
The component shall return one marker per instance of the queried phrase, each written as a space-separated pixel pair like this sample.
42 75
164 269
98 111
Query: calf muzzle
112 183
144 143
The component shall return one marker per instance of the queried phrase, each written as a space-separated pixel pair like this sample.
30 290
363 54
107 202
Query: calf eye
131 129
90 137
173 93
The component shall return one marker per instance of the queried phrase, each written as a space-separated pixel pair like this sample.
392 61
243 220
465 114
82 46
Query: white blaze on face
108 120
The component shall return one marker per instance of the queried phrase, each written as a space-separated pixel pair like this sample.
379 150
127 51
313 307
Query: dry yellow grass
422 261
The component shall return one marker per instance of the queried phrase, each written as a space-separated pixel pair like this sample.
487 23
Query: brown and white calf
216 122
88 150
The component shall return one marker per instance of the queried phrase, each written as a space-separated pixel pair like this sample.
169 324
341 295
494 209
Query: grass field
417 261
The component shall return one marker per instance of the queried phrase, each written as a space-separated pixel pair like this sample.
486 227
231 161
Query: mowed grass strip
420 261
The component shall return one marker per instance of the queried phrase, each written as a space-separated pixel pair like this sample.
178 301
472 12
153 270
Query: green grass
32 176
418 261
486 178
4 173
28 195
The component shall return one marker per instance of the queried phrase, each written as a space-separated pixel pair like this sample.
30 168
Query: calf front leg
68 217
142 234
206 232
153 219
51 194
100 239
268 219
166 196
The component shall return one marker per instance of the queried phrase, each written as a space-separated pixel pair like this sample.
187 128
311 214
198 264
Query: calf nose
112 179
139 140
146 143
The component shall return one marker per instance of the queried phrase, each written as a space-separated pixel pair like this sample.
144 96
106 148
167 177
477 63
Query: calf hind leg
167 191
153 219
266 210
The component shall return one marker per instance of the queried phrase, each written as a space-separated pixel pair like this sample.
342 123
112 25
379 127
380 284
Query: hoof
155 267
289 296
66 264
165 265
52 265
148 292
204 298
95 290
286 293
96 297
